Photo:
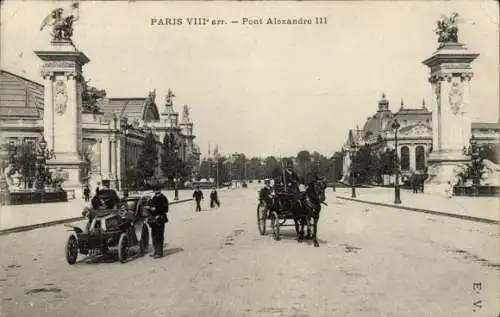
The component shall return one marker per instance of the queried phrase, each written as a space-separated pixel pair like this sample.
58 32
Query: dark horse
309 209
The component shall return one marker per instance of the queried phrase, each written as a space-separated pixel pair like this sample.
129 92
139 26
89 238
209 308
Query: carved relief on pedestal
60 97
456 96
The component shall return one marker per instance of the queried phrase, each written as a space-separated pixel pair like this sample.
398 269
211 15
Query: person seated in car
96 201
109 196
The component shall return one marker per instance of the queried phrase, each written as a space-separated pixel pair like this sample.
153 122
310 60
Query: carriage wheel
71 249
275 224
123 246
261 218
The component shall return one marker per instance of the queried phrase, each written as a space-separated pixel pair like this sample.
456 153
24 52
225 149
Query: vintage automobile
123 228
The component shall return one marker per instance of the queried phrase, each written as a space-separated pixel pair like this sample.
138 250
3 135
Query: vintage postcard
240 158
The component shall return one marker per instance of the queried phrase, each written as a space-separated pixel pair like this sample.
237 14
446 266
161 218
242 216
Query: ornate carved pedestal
62 75
450 78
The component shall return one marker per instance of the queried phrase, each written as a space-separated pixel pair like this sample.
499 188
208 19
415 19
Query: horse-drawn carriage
111 228
278 207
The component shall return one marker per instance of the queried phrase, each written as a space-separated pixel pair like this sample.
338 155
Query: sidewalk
16 216
482 209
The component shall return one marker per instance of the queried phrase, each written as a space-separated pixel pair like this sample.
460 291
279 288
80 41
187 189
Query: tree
270 164
23 158
303 163
170 162
91 97
148 159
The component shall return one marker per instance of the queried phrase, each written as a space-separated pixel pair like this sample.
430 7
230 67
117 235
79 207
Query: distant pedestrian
157 220
198 197
86 193
214 198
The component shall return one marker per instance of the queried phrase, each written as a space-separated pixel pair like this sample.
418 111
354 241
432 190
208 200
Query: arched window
405 158
420 158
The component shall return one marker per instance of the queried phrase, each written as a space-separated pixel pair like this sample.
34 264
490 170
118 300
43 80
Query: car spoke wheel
261 218
123 247
71 249
144 243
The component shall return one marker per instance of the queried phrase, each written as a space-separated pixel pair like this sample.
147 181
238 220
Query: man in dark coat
214 198
198 197
86 193
96 201
109 196
291 179
159 210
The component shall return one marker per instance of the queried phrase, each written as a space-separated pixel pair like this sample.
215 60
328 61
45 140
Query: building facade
414 136
112 134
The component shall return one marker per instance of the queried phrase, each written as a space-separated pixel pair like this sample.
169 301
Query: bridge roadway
373 261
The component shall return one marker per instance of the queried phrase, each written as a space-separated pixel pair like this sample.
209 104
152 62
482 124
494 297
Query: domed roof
375 123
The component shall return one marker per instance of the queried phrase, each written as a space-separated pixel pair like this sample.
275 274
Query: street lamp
397 194
42 155
176 179
125 189
353 170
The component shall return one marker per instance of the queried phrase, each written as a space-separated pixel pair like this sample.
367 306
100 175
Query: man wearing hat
291 181
159 204
290 178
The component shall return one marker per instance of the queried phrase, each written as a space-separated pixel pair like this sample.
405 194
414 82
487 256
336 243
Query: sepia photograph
249 158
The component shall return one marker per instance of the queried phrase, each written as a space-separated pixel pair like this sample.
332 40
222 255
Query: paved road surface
372 262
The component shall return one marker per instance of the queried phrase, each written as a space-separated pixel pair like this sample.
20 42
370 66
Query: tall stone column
450 79
105 158
61 69
413 158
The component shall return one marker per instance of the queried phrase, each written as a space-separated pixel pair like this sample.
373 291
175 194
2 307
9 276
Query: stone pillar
413 158
48 117
114 167
99 155
450 77
62 73
105 158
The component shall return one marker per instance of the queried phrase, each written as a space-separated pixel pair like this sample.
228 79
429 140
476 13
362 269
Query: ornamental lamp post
176 179
125 189
397 194
42 155
353 169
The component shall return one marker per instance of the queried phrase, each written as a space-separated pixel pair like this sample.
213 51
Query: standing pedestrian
214 198
198 197
157 220
86 193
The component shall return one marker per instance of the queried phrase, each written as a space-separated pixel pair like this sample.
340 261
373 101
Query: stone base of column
74 172
444 167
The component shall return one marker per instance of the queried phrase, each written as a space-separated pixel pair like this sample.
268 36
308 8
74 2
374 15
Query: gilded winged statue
62 22
447 29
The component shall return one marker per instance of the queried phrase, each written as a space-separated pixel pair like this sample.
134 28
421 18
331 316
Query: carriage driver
291 179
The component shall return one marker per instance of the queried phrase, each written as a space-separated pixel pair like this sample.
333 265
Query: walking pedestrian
157 220
198 197
214 198
86 193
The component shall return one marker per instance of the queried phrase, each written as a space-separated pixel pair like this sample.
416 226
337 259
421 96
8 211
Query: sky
265 89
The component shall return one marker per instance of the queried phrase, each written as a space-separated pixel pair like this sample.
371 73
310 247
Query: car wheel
71 249
123 247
